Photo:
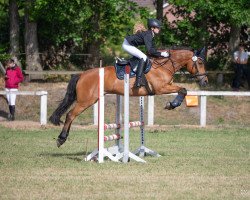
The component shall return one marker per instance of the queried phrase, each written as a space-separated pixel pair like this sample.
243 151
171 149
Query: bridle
175 69
196 67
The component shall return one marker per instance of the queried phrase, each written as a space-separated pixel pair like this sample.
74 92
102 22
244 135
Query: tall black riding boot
140 68
9 115
12 113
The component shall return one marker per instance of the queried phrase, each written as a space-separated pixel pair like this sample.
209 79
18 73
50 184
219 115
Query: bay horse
83 88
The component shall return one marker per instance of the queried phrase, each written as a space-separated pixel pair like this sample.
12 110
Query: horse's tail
68 100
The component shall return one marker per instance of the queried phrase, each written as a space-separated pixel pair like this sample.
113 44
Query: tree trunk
94 58
234 40
33 61
14 30
159 9
94 46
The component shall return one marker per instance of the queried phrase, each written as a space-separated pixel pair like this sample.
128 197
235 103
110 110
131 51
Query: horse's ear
201 53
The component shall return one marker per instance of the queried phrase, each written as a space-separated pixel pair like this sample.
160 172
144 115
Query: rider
131 43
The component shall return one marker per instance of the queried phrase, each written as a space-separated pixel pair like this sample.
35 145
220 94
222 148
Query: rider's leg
132 50
140 68
139 54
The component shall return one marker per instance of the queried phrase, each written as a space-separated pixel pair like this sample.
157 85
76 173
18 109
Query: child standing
13 77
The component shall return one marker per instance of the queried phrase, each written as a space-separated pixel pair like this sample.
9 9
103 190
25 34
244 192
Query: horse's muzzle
203 81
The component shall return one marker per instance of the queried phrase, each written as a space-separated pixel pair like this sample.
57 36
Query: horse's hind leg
71 115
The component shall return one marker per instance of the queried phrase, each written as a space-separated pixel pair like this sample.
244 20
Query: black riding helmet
152 23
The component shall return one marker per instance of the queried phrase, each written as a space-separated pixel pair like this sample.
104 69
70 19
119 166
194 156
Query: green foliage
208 23
76 24
4 57
82 21
4 34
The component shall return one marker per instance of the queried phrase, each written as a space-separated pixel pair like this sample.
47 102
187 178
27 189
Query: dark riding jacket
144 38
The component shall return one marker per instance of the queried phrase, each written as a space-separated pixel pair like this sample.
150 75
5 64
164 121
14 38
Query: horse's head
180 57
196 67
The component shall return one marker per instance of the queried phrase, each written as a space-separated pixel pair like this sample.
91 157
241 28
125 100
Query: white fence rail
202 94
203 104
43 102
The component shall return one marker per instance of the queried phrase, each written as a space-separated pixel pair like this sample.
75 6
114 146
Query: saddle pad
120 70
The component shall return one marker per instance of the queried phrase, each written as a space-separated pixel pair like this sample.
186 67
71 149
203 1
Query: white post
203 110
126 115
101 116
95 112
43 108
151 110
118 119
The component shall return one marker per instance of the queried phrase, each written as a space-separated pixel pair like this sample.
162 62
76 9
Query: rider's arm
149 43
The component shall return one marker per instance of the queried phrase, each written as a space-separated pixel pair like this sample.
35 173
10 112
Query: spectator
13 77
240 68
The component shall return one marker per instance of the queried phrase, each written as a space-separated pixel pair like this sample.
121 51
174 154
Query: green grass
195 164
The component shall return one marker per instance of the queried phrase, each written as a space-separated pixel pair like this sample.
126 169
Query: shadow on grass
70 156
3 114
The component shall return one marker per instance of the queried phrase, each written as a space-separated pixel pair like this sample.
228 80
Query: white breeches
132 50
11 97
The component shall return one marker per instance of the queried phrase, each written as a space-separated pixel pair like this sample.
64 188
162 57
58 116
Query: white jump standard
102 152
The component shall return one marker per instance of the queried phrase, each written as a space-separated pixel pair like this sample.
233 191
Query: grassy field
210 163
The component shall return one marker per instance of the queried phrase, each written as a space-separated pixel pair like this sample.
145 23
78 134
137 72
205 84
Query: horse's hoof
60 142
169 106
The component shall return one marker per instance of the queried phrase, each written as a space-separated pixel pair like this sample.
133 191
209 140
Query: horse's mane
176 48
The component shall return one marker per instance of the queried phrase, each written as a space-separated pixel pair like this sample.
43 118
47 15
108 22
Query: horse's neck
180 59
170 65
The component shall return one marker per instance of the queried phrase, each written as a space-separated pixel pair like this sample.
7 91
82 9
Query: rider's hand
165 54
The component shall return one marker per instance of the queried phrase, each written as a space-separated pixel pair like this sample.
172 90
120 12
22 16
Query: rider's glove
165 54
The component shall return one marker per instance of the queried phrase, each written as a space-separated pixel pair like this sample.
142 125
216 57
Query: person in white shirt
240 67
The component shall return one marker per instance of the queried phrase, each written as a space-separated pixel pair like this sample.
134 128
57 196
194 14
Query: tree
14 30
159 9
33 61
216 24
4 27
88 25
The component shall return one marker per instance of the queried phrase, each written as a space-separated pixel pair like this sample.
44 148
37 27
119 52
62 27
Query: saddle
133 63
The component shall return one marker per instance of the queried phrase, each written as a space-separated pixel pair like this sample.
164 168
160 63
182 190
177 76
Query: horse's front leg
178 99
182 92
